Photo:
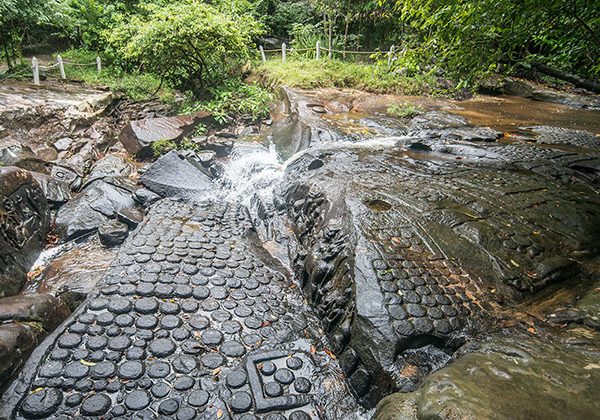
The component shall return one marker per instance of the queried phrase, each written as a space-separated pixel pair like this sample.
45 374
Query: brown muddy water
504 113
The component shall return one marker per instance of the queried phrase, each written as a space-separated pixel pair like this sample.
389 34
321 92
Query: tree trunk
569 77
346 36
8 62
330 37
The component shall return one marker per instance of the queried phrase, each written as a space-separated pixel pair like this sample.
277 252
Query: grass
405 110
312 74
136 86
233 98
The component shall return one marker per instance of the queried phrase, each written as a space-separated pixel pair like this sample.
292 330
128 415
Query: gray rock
109 166
56 192
146 197
63 144
207 157
113 233
138 136
45 309
73 274
68 176
99 201
544 378
131 216
172 175
26 319
25 220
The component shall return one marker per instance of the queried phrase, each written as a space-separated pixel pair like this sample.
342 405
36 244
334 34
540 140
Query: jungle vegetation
205 47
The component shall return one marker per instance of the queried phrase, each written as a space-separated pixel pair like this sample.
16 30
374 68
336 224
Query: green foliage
17 16
473 38
190 44
164 146
405 110
311 74
135 85
281 16
235 98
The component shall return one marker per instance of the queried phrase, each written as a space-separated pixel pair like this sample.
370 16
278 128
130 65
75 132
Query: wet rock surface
25 321
138 136
193 320
409 246
412 239
73 273
539 377
175 175
24 222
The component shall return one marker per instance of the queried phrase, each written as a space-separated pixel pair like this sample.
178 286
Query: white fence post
36 71
61 67
318 50
98 64
262 54
283 52
391 53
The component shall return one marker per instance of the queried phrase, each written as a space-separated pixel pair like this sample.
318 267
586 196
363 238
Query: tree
18 16
191 44
470 38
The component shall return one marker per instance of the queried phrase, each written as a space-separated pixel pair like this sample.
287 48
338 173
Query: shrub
190 44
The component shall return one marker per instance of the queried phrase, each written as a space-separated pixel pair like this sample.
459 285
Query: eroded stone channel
339 256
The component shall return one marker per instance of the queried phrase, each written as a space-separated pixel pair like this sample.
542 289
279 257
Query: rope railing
284 50
60 63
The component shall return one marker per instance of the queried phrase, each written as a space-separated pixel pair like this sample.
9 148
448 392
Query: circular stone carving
42 403
96 405
240 402
162 347
236 379
284 376
273 389
294 363
137 400
198 398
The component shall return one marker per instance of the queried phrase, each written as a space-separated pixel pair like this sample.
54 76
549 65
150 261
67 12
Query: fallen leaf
313 349
513 262
220 413
330 353
37 390
531 330
592 366
216 371
85 362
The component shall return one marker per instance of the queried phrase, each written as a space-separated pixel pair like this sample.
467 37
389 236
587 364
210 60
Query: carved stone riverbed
341 255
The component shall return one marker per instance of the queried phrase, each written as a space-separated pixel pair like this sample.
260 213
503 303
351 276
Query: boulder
25 321
172 175
67 175
131 216
109 166
138 136
112 233
516 376
24 221
56 192
207 157
44 309
145 197
73 274
99 201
